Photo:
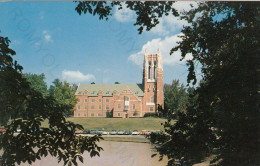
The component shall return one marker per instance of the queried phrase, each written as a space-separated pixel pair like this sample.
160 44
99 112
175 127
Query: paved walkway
114 154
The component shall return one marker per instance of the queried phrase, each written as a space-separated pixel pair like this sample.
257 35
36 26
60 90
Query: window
86 107
151 109
99 100
107 100
99 107
119 106
118 114
92 100
114 93
152 99
85 115
133 106
78 107
92 107
126 106
149 71
154 70
78 114
99 114
85 93
126 98
86 100
92 115
78 100
107 107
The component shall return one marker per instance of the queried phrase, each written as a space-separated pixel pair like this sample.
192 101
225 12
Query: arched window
154 70
149 71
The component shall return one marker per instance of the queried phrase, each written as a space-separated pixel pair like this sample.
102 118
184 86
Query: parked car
113 132
105 132
120 132
2 130
93 132
127 132
79 132
86 132
135 132
149 132
158 132
144 132
100 132
18 130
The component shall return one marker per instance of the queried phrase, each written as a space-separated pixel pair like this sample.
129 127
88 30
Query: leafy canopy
26 108
63 94
37 82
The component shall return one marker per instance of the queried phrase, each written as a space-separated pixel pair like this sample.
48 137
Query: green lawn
119 123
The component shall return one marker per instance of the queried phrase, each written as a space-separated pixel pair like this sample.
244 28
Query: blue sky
51 38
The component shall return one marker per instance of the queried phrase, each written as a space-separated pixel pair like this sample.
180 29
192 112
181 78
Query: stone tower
152 82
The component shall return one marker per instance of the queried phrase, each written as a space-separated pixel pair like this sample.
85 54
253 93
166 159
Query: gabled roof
108 89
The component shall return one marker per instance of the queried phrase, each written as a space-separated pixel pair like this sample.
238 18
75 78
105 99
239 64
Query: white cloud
124 14
47 36
171 23
76 76
165 45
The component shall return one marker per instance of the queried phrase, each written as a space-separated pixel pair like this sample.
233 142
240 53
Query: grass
118 123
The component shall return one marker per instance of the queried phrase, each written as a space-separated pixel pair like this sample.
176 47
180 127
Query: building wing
109 89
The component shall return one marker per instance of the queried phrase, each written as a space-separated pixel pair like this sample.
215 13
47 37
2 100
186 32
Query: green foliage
135 113
117 82
109 114
63 94
25 108
151 114
148 13
224 39
175 98
37 82
92 83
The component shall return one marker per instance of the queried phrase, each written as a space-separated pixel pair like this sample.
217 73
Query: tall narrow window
126 103
154 70
149 71
152 99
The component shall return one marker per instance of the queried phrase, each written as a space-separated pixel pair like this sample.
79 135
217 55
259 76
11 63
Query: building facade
124 100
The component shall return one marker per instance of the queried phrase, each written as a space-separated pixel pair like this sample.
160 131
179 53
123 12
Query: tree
37 82
92 83
224 38
175 98
147 12
225 119
25 108
117 82
63 94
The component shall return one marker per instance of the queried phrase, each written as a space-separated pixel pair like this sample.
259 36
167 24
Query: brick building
124 100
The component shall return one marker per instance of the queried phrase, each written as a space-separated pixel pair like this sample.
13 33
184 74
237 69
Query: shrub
151 114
